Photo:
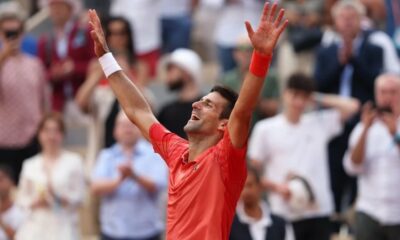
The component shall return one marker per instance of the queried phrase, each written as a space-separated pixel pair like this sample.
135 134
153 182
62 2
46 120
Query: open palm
100 44
270 28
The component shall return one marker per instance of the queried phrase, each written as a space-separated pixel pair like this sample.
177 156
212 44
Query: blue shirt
131 211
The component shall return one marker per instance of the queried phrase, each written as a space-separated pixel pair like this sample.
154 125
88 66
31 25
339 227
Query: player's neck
200 143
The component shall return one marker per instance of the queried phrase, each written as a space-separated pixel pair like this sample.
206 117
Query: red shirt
202 194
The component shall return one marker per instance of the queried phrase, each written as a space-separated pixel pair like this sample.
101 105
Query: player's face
252 190
205 118
296 101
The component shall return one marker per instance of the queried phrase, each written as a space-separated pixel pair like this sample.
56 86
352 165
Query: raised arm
129 96
263 41
347 107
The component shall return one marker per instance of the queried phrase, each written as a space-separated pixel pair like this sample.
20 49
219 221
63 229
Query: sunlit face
125 132
205 118
60 12
296 101
8 26
118 36
51 135
387 92
5 185
347 22
251 193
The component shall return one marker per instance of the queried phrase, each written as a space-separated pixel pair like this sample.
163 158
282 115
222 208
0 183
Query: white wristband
109 64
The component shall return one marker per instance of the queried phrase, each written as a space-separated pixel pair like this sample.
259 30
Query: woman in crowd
52 187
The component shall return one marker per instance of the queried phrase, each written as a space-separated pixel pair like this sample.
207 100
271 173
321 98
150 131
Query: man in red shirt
207 172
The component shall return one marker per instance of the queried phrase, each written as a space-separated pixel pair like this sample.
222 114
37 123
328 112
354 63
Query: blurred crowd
323 154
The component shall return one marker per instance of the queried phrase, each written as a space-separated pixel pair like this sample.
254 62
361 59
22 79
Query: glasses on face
11 33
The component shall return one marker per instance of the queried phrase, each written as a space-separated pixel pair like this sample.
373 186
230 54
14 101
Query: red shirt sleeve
232 161
169 145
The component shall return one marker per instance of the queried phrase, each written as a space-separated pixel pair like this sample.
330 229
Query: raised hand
368 115
270 28
100 44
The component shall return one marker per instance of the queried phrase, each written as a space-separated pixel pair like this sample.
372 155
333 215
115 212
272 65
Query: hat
301 194
188 60
12 9
75 4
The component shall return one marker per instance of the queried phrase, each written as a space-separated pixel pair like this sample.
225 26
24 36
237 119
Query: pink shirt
22 94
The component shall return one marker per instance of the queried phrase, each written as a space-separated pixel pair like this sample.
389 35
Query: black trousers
313 229
14 157
105 237
368 228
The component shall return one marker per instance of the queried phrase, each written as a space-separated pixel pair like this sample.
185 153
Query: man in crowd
348 66
11 216
292 148
22 95
184 77
65 50
374 156
253 220
129 177
207 172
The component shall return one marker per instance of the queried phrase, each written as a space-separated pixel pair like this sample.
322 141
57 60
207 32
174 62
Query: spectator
292 147
22 95
230 26
176 23
52 187
144 17
183 77
11 216
253 220
95 95
268 105
348 66
65 50
373 155
129 177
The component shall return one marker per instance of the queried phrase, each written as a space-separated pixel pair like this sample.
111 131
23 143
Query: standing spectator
52 187
349 66
176 23
268 105
183 77
293 145
374 156
129 177
230 27
65 50
253 220
22 95
11 216
144 17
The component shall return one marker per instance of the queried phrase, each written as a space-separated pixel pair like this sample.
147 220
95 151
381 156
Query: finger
272 13
279 18
94 36
264 15
283 27
367 106
249 29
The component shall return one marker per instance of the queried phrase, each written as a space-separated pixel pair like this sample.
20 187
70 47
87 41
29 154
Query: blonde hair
354 4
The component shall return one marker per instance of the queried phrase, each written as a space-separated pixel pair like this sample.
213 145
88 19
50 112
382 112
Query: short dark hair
301 82
54 116
255 172
230 95
6 170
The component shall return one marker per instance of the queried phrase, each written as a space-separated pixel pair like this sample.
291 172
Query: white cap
188 60
75 4
12 9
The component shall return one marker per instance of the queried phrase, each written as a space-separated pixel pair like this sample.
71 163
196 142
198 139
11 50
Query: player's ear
222 124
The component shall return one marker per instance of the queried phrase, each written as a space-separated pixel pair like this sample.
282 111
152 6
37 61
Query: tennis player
207 172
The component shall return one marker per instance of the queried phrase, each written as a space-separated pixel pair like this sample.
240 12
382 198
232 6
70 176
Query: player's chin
192 126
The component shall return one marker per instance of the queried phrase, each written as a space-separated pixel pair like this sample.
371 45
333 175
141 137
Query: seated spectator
11 216
52 187
184 78
129 177
374 156
253 220
233 79
22 95
292 148
66 50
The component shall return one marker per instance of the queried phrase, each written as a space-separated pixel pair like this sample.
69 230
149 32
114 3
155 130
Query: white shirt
258 228
301 149
175 8
13 218
230 25
378 175
144 17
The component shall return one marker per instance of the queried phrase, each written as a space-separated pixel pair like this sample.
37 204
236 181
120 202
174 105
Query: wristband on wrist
260 64
109 64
